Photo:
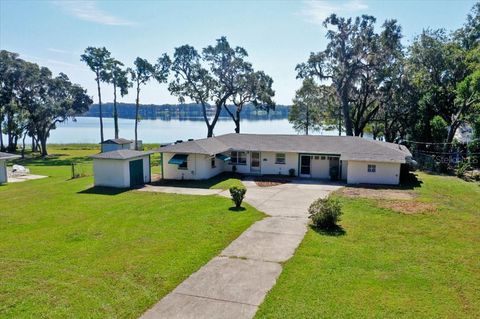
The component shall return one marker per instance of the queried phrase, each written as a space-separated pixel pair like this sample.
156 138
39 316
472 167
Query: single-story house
116 144
4 157
122 168
352 159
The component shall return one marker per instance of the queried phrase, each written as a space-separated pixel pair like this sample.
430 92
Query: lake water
86 129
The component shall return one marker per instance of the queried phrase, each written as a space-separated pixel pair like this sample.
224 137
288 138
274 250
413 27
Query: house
117 144
122 168
352 159
4 157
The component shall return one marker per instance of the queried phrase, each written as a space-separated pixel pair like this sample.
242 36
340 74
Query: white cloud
89 11
317 11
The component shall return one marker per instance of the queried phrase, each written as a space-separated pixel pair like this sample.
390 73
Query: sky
276 34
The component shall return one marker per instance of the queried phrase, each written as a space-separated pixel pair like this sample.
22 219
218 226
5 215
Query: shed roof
8 156
117 141
348 147
121 154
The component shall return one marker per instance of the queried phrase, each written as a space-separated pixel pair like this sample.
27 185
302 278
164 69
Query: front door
136 173
305 165
255 162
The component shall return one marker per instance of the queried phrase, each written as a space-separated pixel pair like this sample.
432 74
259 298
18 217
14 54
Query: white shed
117 144
4 157
122 168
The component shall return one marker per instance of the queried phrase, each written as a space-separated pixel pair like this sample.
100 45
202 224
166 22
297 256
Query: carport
122 168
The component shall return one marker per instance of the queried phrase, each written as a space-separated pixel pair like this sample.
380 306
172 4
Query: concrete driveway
235 283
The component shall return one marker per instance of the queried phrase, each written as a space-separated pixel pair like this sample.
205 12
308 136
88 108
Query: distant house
117 144
122 168
4 157
352 159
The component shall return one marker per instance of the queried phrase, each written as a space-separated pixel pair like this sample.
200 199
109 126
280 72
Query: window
183 166
213 162
280 158
238 158
323 158
316 157
372 168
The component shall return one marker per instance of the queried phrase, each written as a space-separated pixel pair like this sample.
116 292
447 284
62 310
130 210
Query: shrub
291 172
325 212
237 193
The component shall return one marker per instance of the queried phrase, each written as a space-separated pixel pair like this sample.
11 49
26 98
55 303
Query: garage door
136 173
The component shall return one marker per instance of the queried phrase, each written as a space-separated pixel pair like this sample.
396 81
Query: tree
343 59
447 86
115 75
307 112
61 101
192 80
251 87
230 73
97 60
210 79
141 74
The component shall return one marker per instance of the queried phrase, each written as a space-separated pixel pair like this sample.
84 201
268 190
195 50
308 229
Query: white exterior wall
3 171
111 173
116 173
386 173
198 167
268 166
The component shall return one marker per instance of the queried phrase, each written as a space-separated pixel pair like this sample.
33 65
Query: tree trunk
115 114
2 148
209 130
137 106
346 114
23 145
237 122
99 108
307 120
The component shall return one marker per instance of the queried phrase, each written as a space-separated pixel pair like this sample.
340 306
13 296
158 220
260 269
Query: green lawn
70 251
388 264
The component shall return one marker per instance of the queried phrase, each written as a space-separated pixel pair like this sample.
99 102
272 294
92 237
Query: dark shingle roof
349 147
120 154
5 156
117 141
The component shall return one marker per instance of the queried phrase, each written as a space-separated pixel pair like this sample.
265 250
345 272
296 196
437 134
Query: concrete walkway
235 283
180 190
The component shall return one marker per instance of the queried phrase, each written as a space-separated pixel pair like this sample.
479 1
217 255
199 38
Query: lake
86 129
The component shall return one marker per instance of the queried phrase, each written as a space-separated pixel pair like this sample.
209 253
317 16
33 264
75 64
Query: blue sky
276 34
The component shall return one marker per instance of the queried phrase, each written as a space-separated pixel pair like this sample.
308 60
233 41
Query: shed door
136 173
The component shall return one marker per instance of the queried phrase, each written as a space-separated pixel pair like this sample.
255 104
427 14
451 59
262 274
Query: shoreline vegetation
189 111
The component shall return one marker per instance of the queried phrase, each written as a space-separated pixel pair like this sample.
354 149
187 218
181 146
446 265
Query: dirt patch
374 193
270 182
408 207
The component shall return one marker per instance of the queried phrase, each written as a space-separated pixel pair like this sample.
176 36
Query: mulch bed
269 182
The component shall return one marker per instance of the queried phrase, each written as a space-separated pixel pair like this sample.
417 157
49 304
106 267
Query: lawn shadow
410 182
190 183
53 160
98 190
335 231
237 209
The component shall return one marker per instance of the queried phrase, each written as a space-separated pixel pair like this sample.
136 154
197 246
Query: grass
68 250
384 264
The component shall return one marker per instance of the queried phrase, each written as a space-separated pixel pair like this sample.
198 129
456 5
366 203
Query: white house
4 157
122 168
352 159
117 144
